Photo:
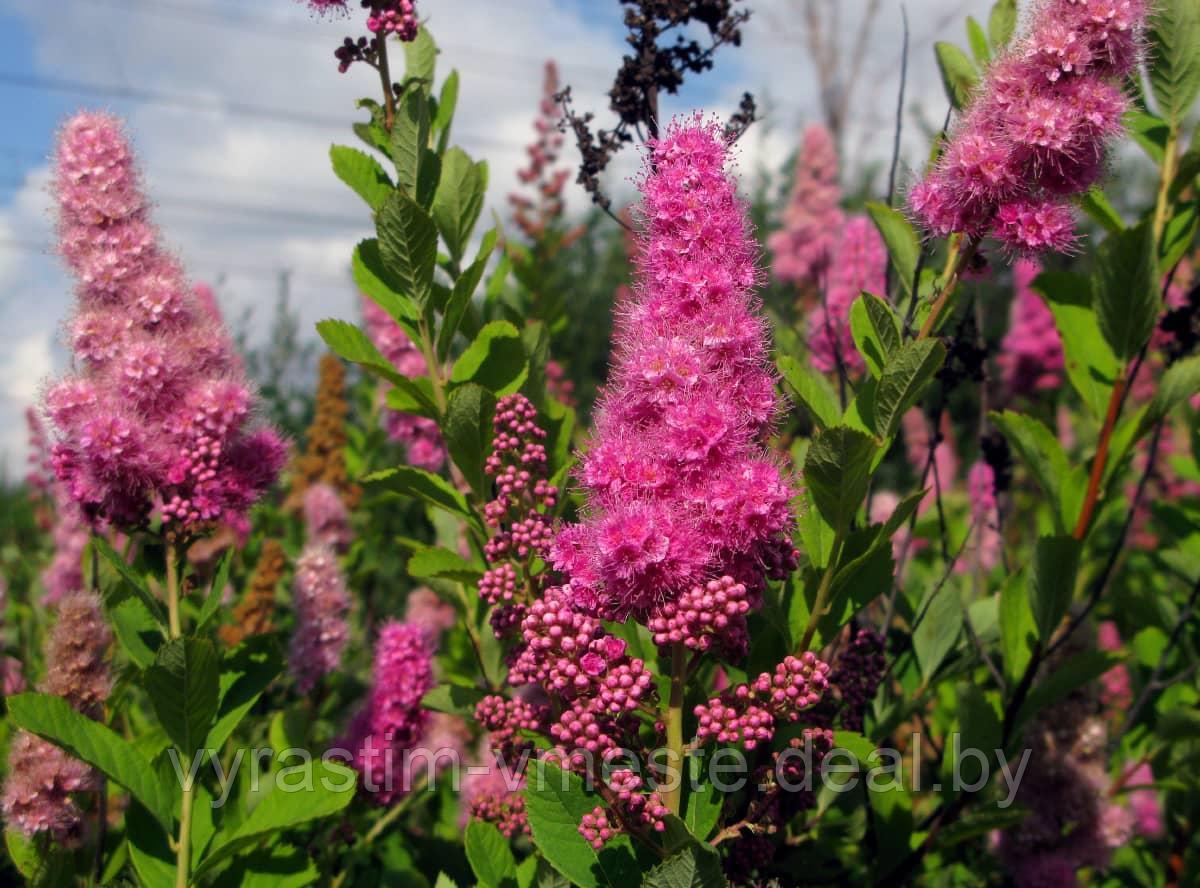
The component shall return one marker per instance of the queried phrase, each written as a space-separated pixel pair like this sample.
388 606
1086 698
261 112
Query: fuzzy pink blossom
42 778
1143 801
1037 128
392 720
985 516
419 435
860 264
321 602
158 416
326 520
679 486
425 608
804 247
1031 355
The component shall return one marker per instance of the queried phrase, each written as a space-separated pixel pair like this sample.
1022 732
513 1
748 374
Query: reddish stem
1101 460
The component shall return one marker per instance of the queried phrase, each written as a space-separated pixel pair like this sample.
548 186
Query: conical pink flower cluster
321 602
156 417
69 530
326 520
1031 355
803 248
536 213
420 436
42 778
860 264
679 486
1037 129
392 721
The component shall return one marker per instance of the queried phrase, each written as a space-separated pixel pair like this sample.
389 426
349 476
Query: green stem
174 624
961 252
1163 203
822 602
674 790
385 77
435 369
183 848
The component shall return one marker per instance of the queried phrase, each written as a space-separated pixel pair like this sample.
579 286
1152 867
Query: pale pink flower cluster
1037 129
419 435
679 486
69 530
860 264
985 516
425 608
804 246
326 519
919 443
534 214
320 602
157 416
1031 355
42 778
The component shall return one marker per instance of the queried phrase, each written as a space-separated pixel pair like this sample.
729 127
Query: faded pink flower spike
679 486
1031 355
321 602
158 416
804 246
860 263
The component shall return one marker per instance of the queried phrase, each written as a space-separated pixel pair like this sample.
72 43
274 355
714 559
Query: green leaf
1040 451
696 866
904 379
1177 237
1002 22
136 582
813 390
1126 289
363 173
876 331
1149 131
447 102
958 73
410 140
495 359
1097 205
183 684
408 245
459 199
468 433
216 590
1018 632
136 629
702 807
903 244
490 856
149 848
246 672
460 296
978 42
938 628
453 699
837 471
1091 365
1052 583
281 866
422 485
53 719
1174 61
382 287
442 564
555 804
1178 384
815 532
1186 170
1076 672
313 790
857 583
420 58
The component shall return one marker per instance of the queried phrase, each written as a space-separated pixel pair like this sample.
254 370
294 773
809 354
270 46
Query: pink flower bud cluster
42 778
804 247
392 719
326 520
749 713
860 264
1036 130
419 435
493 793
633 806
320 602
393 17
158 414
679 486
1031 354
539 212
505 719
713 614
385 18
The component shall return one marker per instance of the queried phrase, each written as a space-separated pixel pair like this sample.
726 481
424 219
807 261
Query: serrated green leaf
459 199
555 804
422 485
1178 235
382 287
490 856
813 390
460 295
447 103
216 589
363 173
837 471
1018 632
1125 284
495 360
1002 22
137 583
149 848
137 631
467 431
1150 132
1174 62
904 379
420 58
958 73
434 563
1052 582
409 142
939 625
453 699
53 719
1091 365
1040 450
903 244
696 866
978 42
876 331
350 343
1100 209
183 684
1178 384
408 245
702 806
245 674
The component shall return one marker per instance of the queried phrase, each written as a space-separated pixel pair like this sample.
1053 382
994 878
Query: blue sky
242 196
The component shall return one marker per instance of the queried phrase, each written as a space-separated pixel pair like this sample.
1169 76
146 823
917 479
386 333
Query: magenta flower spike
157 415
680 488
